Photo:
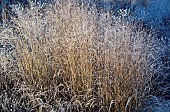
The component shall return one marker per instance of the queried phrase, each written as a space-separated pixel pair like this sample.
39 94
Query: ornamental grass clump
70 57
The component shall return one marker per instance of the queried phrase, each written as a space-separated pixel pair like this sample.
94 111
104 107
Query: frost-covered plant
72 58
124 12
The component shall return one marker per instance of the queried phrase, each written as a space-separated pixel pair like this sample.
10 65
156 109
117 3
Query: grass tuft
72 58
